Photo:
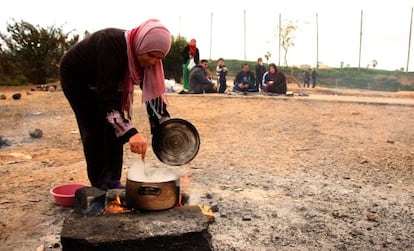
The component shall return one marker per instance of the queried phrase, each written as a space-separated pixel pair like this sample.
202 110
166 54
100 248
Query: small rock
4 142
214 207
209 196
246 218
36 133
372 216
390 141
2 96
17 96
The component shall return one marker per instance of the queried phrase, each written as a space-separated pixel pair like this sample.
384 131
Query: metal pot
152 196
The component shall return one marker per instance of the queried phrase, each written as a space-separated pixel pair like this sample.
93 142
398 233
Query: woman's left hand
138 144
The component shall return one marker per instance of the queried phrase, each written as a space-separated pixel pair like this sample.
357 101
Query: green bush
33 52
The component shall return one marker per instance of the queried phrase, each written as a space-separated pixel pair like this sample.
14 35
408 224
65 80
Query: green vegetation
31 54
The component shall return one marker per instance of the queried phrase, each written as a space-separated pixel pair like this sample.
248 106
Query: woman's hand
138 144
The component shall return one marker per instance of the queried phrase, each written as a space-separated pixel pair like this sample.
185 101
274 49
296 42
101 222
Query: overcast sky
385 34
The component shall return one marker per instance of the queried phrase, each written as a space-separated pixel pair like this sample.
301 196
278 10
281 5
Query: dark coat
186 52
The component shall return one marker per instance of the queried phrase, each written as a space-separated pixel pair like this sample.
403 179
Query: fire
206 210
116 206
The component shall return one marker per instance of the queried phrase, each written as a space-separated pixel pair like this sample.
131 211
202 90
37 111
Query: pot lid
175 142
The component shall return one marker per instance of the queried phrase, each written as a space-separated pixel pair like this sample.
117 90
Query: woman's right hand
138 144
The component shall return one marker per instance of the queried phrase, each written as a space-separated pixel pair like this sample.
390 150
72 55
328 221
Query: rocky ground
330 171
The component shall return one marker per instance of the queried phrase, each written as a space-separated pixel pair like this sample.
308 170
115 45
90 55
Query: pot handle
149 190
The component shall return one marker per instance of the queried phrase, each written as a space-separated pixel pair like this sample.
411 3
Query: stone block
89 201
180 228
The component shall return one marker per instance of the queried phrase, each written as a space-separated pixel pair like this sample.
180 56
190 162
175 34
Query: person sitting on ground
274 81
245 80
199 81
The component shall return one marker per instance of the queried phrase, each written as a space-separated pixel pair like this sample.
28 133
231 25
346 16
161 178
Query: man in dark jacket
245 81
199 82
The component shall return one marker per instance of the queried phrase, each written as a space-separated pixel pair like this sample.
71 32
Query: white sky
386 26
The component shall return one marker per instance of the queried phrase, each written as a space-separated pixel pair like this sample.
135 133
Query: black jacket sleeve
157 112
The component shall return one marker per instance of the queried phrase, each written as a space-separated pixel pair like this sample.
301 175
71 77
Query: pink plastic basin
65 194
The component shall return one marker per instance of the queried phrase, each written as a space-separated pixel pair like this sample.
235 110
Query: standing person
274 81
98 75
191 58
245 81
260 70
221 72
306 78
313 76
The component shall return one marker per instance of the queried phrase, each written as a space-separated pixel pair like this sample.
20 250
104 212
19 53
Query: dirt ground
330 171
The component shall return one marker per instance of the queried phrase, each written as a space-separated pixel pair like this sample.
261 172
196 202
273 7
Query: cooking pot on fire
175 141
151 189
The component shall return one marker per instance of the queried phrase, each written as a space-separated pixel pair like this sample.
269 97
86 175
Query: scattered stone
40 248
371 216
338 215
214 207
209 196
54 245
355 113
17 96
36 133
247 218
89 201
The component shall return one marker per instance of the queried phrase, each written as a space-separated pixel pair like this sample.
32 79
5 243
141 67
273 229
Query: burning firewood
117 206
206 210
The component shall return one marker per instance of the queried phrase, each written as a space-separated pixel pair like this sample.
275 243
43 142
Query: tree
33 51
287 38
173 61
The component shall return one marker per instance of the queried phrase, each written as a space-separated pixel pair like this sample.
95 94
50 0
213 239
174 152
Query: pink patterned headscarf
149 36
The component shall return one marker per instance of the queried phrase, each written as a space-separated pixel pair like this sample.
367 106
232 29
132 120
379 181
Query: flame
116 206
206 210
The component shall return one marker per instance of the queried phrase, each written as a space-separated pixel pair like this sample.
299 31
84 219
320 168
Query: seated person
274 81
199 81
245 81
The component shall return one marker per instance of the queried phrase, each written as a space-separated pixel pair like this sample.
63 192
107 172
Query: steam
140 173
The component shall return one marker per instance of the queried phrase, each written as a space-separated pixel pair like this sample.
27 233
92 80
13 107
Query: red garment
193 50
